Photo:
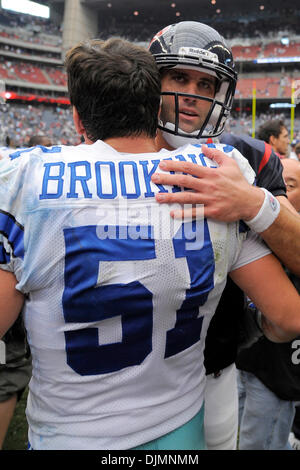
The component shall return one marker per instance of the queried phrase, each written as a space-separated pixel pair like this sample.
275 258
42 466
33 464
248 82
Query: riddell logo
297 91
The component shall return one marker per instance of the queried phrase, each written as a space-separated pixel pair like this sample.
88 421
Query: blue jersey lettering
82 179
48 177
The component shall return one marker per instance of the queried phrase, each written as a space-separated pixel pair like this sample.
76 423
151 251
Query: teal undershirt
189 436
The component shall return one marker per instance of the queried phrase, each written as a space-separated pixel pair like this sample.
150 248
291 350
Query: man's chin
189 129
186 127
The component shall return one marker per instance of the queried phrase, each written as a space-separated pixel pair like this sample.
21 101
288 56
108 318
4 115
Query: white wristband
266 215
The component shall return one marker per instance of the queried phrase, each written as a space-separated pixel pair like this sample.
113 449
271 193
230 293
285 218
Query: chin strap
176 141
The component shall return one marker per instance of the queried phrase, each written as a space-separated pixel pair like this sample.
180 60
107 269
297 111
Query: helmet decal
160 39
197 52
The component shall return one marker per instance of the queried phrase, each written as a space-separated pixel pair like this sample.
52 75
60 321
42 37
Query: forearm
267 285
282 236
275 333
11 301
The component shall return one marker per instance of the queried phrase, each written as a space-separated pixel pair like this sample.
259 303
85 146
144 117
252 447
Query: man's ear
272 140
77 122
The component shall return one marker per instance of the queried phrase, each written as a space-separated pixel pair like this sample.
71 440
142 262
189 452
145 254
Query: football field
16 438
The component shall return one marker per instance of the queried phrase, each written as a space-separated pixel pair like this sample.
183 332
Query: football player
118 298
198 84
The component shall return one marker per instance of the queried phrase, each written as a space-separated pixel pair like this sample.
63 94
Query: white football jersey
5 151
119 295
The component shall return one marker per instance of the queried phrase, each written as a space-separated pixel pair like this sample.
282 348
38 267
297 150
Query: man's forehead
283 130
192 72
290 164
291 168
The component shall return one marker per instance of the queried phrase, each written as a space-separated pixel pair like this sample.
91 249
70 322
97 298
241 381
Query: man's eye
178 78
205 85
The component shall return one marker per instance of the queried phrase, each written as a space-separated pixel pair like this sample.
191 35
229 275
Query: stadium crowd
19 122
28 22
231 27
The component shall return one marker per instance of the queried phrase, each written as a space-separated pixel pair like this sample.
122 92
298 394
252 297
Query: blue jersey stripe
14 232
18 153
4 256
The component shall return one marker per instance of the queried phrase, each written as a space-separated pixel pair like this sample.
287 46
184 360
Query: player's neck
140 144
161 143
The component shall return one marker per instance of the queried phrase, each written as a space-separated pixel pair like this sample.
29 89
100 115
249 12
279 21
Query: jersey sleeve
11 223
262 159
253 248
270 176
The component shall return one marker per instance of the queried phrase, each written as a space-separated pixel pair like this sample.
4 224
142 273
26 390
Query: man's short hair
269 128
115 87
39 140
297 149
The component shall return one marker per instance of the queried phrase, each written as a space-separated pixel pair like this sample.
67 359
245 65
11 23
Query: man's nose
191 89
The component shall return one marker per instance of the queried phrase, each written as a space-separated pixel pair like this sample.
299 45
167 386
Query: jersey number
85 300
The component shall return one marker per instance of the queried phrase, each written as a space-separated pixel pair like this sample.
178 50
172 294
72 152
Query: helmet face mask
212 125
194 46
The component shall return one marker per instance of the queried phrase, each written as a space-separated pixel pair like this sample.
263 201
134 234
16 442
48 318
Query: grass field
16 437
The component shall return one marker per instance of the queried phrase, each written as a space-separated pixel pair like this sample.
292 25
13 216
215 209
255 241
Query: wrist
255 200
267 213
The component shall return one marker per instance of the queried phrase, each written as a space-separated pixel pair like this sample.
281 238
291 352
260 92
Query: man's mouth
188 113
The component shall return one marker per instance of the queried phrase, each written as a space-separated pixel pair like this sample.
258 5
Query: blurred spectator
297 151
294 438
292 152
275 133
39 140
269 373
291 174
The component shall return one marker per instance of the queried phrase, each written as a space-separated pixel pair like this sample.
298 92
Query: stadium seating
41 40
